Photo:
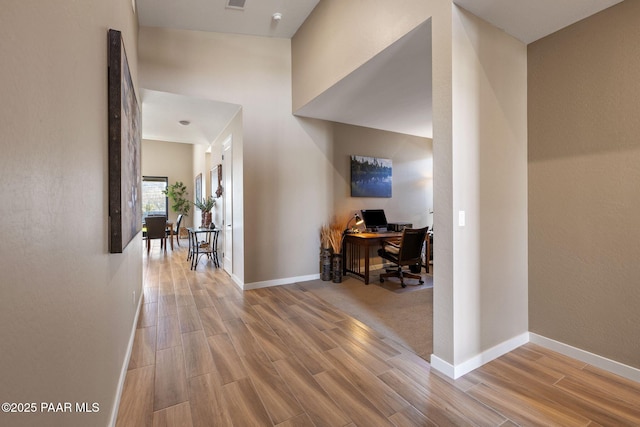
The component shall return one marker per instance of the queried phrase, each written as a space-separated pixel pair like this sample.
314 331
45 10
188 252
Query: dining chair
156 229
176 231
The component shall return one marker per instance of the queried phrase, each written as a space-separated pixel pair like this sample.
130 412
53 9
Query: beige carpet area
404 315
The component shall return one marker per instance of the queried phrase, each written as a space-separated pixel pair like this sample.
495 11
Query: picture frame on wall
198 187
218 177
371 177
125 134
212 173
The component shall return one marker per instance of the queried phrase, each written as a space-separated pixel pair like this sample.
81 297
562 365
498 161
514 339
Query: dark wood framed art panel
125 182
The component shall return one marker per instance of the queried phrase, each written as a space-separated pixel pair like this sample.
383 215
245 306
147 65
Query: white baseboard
125 365
279 282
239 283
456 371
601 362
442 366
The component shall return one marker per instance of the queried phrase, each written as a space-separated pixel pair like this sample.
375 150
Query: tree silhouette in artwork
370 177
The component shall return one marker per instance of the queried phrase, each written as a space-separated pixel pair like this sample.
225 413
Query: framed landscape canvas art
125 181
370 177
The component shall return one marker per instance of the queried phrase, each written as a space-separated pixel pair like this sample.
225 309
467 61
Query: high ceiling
256 18
530 20
391 92
362 98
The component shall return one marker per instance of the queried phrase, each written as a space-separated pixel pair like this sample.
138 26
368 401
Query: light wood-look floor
206 354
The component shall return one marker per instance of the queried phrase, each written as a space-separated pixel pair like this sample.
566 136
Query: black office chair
156 229
408 252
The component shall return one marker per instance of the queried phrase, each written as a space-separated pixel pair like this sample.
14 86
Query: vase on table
206 219
336 264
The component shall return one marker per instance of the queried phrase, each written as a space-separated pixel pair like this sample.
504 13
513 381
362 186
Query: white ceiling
162 113
390 92
530 20
212 15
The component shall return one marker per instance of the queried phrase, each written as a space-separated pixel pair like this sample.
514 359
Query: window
154 201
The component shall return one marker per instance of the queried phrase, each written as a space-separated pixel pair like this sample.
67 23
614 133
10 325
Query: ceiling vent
236 4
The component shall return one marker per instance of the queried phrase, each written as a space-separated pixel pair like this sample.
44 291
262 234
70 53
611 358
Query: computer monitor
374 219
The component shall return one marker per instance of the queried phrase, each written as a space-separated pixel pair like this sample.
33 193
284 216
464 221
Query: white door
227 195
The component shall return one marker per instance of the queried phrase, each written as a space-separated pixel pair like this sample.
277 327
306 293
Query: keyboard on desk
378 231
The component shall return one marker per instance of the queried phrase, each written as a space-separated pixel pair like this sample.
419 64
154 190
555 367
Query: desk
353 246
428 254
209 247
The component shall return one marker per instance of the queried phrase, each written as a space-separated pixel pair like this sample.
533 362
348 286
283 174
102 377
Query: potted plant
205 205
177 192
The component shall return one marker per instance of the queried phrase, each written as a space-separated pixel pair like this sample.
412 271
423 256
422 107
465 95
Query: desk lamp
358 220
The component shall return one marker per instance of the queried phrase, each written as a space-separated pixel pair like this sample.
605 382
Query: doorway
227 211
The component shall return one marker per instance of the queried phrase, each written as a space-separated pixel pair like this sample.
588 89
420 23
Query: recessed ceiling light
185 122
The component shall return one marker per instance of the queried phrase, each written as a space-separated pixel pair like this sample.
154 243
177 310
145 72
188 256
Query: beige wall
285 174
328 47
584 157
412 157
173 160
490 186
232 131
479 159
340 36
412 185
200 161
66 305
